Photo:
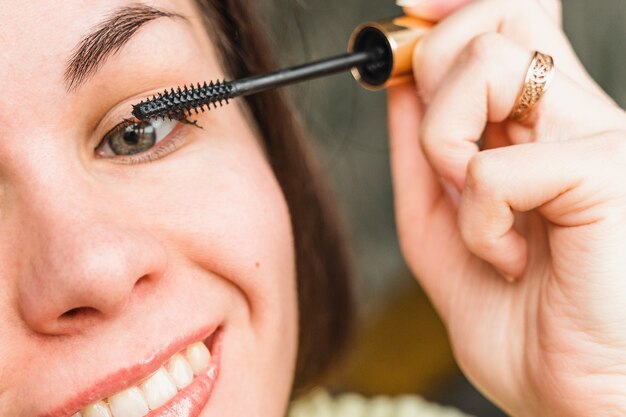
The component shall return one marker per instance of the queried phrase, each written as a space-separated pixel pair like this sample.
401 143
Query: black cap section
378 71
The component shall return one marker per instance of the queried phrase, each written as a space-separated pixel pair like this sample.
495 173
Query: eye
134 137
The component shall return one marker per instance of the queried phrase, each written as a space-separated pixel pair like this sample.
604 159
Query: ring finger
526 22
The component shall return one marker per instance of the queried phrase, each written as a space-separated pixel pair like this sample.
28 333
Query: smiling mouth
181 387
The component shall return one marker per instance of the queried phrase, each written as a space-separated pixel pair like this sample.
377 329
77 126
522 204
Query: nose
83 261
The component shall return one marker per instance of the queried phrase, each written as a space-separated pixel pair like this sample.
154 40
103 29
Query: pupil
131 136
140 133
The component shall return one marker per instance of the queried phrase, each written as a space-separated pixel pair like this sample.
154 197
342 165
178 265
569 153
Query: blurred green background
401 345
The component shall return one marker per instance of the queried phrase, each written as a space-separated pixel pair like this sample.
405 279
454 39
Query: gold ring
538 79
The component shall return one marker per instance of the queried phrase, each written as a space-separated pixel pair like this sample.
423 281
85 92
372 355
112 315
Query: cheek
225 212
218 207
237 225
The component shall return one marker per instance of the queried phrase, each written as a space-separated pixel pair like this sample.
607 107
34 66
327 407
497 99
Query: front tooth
97 409
158 389
129 403
180 370
199 357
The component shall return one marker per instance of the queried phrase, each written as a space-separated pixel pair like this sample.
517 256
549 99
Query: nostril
79 311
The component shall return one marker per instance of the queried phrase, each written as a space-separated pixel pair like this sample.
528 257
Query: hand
544 205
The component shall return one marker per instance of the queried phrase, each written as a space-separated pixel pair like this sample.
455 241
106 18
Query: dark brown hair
322 261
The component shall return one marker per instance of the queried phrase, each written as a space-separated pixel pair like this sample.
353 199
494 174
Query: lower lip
191 401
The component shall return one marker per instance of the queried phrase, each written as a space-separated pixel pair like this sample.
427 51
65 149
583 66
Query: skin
149 252
543 206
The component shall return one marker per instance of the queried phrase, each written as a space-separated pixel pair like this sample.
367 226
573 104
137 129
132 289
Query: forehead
37 39
41 34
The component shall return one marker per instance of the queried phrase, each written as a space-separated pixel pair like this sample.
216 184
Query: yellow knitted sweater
320 404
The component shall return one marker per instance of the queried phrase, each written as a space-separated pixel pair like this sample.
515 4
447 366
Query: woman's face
110 264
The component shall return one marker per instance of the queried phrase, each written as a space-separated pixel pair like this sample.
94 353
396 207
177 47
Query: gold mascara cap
396 38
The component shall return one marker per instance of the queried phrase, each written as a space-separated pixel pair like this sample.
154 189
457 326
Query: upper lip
127 377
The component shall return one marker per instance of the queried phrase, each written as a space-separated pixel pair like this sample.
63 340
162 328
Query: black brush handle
179 103
257 83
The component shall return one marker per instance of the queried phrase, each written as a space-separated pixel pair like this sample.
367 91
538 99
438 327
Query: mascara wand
380 54
175 103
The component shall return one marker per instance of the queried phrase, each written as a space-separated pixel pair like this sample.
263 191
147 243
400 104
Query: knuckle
481 174
475 239
482 47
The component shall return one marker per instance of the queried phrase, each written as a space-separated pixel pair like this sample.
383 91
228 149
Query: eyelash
162 149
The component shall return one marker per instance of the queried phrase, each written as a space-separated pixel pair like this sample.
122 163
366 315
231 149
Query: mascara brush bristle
179 103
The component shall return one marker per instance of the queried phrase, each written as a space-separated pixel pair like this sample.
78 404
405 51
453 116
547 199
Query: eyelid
118 112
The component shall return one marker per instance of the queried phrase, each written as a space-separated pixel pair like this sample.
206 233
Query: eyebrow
106 39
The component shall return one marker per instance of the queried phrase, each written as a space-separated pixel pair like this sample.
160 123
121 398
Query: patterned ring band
538 79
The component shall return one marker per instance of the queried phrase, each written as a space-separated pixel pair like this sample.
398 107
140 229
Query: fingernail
411 3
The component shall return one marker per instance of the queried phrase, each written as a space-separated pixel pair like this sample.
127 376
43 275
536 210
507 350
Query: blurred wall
597 31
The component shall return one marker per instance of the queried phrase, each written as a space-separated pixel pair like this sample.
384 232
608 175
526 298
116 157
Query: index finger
433 10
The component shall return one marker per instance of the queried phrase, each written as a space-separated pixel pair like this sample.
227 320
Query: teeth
129 403
156 390
97 409
159 389
180 371
199 357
